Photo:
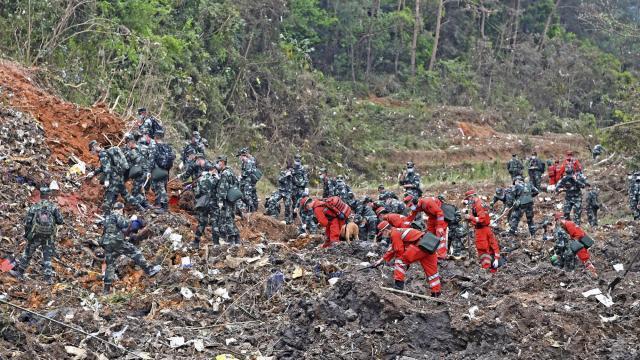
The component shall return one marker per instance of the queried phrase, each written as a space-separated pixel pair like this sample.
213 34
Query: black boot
106 290
398 285
196 243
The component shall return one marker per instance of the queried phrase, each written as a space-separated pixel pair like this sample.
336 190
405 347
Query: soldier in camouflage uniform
562 256
162 156
395 206
411 181
383 194
593 205
300 189
147 123
514 167
341 189
114 244
272 204
523 194
573 185
502 195
284 193
226 209
139 172
536 168
196 146
207 206
40 229
634 196
364 216
250 175
113 169
196 168
597 151
328 184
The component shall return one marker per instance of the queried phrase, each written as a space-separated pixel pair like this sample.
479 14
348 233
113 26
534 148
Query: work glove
440 232
134 218
106 183
496 263
220 205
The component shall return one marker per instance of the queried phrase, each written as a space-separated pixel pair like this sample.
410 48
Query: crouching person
115 244
580 243
408 246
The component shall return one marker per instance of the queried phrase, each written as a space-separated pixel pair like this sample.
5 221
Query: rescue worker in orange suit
328 217
405 250
486 243
552 171
569 161
396 220
583 242
432 207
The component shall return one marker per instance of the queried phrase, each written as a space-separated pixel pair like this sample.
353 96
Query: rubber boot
435 294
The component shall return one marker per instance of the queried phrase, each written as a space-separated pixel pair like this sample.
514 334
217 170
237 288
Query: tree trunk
483 11
432 62
515 32
375 4
547 24
398 38
414 42
353 65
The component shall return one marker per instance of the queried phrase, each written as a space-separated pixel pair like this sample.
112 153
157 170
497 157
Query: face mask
218 166
410 170
533 157
297 163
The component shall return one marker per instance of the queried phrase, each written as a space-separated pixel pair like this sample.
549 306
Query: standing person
570 162
456 230
195 146
432 208
514 166
284 193
597 151
162 157
634 196
40 230
139 172
535 168
341 189
113 170
332 215
250 175
486 243
227 194
552 172
328 184
115 244
572 185
207 206
523 203
300 178
148 124
582 242
406 250
410 181
593 205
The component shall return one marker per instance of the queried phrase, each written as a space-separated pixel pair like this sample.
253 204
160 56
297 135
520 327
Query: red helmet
469 193
381 210
304 201
407 199
383 225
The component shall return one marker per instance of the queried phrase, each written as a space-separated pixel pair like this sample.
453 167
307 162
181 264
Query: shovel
617 280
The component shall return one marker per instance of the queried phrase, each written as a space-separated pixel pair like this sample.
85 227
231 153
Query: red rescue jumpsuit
397 220
432 207
404 249
552 172
577 167
577 233
486 243
328 218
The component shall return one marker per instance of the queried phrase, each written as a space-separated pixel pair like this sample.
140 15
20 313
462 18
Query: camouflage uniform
272 204
515 167
536 168
193 171
523 194
383 195
597 151
147 126
300 183
634 198
207 206
284 193
192 147
114 245
38 235
135 158
341 189
456 230
227 209
160 153
563 256
113 176
395 206
413 179
503 195
248 180
593 204
573 198
328 184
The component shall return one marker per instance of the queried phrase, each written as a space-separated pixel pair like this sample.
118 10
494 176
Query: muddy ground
279 296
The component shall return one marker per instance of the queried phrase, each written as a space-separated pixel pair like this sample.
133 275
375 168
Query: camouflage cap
142 110
129 137
221 158
118 205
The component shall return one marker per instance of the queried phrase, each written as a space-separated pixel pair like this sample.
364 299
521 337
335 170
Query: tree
437 35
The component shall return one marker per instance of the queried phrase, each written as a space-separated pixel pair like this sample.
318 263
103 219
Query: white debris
472 312
118 334
230 341
78 352
185 263
176 241
223 293
606 300
176 341
465 295
608 319
198 344
595 291
186 292
167 233
333 281
197 274
618 267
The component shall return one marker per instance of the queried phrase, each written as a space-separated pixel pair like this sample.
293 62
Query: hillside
279 296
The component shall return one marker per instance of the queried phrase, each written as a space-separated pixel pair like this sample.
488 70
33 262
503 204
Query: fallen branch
604 160
70 327
418 295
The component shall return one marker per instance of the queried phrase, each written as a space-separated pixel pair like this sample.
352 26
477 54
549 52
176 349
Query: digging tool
617 280
77 329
